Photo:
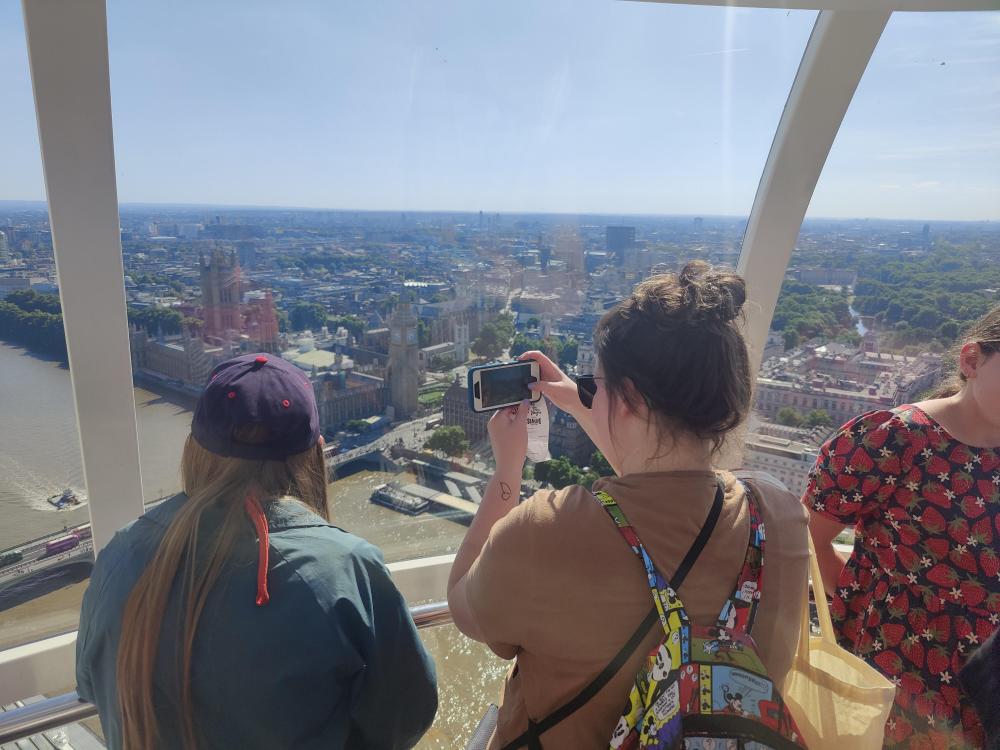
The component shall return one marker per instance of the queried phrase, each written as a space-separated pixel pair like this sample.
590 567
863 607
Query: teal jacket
333 660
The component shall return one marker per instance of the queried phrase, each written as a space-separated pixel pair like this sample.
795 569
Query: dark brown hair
677 341
986 333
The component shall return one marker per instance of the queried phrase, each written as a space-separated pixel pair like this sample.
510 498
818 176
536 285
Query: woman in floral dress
921 589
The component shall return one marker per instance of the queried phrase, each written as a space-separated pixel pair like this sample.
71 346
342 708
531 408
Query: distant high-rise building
569 248
404 361
4 247
246 251
220 295
188 231
699 223
544 255
618 239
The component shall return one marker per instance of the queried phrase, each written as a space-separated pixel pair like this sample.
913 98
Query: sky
564 106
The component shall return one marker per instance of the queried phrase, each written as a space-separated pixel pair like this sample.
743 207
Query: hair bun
711 294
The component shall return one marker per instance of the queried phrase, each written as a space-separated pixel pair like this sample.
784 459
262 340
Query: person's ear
634 401
969 360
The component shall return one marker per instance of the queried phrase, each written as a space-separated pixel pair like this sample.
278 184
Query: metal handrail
67 708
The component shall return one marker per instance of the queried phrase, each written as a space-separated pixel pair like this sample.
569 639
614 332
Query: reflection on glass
870 304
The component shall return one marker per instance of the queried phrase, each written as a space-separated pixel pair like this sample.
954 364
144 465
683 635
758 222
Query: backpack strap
740 610
530 738
664 592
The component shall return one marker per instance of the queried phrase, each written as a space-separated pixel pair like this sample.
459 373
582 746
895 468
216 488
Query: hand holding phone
495 386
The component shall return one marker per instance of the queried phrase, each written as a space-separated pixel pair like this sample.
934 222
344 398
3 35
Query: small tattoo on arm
505 491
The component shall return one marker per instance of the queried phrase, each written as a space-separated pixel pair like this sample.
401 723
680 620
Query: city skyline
601 108
600 217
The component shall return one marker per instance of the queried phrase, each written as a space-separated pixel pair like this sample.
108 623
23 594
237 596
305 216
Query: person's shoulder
777 503
323 543
553 507
880 424
541 521
129 550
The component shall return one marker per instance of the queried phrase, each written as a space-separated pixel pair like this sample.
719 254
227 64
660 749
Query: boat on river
392 496
68 499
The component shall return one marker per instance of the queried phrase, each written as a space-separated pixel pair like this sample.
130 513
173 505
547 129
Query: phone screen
505 385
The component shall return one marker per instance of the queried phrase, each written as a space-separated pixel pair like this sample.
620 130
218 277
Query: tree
441 362
357 425
948 331
156 320
567 355
450 440
36 330
31 301
494 337
818 418
355 326
789 417
303 315
561 472
791 339
600 465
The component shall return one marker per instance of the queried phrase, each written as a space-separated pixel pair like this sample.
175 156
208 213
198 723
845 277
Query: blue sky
525 105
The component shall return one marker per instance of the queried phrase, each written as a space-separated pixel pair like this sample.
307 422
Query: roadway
35 559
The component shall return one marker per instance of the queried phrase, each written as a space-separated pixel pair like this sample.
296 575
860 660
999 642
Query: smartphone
498 385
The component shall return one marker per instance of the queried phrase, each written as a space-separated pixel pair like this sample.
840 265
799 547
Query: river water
40 456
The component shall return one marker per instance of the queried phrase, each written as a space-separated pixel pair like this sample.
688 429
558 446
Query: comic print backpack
704 688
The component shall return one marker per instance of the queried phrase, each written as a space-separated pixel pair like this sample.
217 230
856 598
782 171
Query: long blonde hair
986 333
210 481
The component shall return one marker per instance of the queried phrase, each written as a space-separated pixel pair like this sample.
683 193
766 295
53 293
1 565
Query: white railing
67 708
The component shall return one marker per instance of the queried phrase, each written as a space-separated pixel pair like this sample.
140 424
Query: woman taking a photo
551 583
234 615
920 485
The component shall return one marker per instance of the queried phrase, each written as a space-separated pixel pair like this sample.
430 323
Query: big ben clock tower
404 366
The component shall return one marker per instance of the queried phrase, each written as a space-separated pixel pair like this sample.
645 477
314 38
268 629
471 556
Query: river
40 455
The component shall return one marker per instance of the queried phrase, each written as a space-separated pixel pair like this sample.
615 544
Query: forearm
501 496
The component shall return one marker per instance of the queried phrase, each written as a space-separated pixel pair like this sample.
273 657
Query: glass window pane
469 679
469 158
898 251
45 548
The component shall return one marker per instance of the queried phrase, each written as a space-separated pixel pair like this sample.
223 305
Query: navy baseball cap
257 389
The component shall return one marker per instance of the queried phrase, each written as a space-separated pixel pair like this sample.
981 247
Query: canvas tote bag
837 699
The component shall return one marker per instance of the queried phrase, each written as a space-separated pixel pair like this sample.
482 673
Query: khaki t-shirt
557 587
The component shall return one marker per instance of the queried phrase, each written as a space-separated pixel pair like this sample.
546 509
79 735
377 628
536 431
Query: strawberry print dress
921 590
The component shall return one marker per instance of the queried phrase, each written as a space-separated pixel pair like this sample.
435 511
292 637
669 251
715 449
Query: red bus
61 545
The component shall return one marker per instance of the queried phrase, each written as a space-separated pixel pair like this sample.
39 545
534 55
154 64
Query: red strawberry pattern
922 588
